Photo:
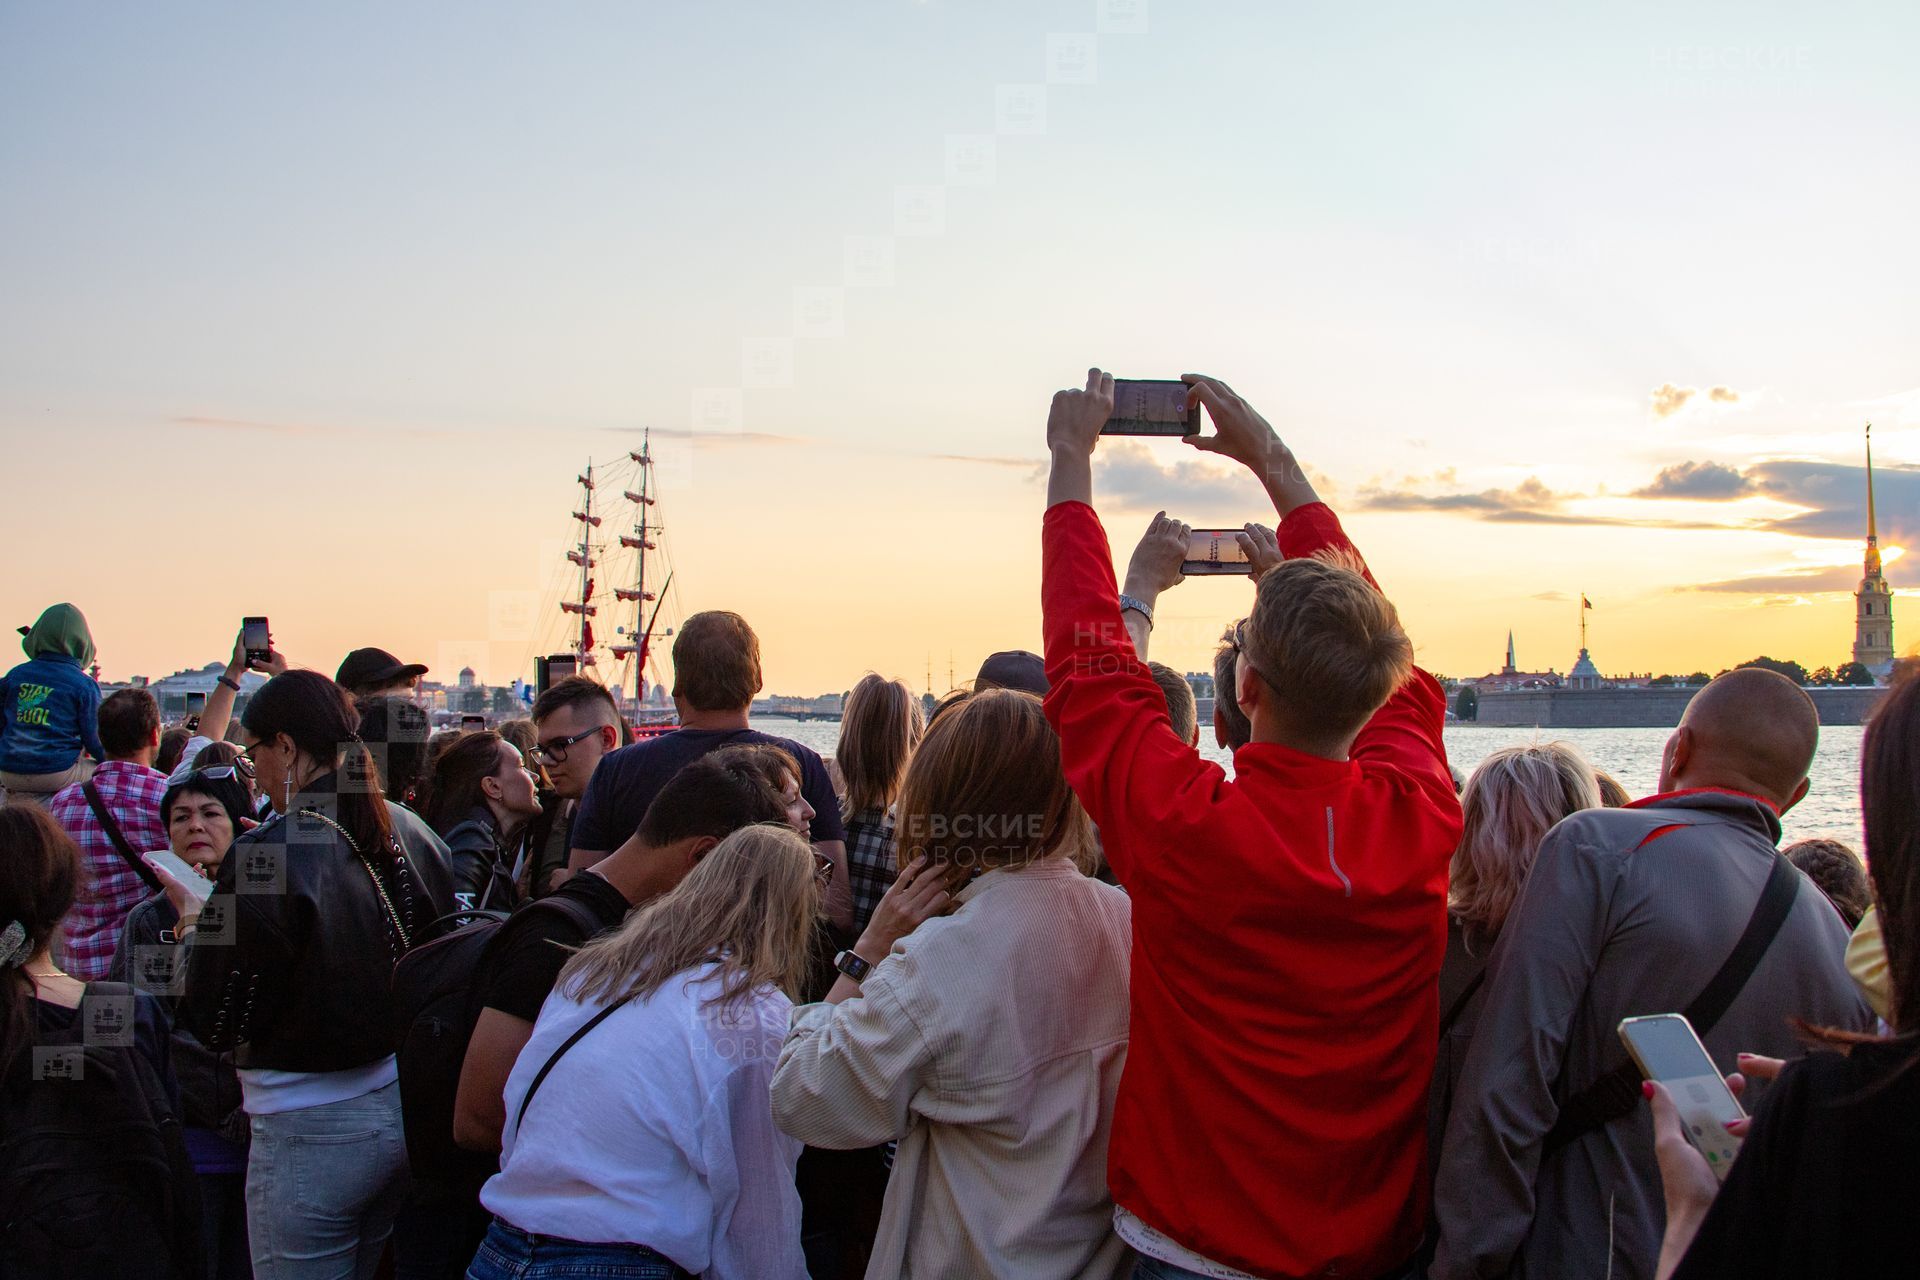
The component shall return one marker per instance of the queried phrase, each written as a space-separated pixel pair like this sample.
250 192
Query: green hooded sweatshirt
61 629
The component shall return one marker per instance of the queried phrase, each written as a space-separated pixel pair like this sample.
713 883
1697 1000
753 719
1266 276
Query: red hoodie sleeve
1405 734
1116 739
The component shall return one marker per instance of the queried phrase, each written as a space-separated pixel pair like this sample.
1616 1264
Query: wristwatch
1138 606
852 965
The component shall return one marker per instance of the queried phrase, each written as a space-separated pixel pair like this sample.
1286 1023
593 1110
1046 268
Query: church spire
1510 666
1873 532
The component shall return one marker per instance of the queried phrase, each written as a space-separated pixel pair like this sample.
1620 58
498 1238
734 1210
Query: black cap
372 668
1013 669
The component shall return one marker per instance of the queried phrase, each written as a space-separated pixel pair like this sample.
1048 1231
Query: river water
1831 809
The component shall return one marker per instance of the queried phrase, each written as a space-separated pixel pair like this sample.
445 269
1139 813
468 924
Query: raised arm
1242 434
1153 568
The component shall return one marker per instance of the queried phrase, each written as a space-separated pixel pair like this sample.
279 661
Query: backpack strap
111 826
1459 1005
1617 1093
571 1041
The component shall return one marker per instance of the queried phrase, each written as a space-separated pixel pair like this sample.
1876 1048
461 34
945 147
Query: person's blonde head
1513 799
880 725
749 903
986 790
1326 642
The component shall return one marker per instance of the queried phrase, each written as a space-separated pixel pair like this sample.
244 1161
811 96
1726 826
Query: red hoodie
1288 928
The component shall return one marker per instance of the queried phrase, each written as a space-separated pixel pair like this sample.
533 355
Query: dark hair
39 874
215 753
1837 870
229 791
172 744
716 662
452 791
320 718
1226 663
1181 708
395 732
715 795
128 720
575 691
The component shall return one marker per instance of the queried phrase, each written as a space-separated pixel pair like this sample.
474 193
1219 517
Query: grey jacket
1624 914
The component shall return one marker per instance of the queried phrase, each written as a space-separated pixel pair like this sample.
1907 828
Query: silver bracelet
1138 606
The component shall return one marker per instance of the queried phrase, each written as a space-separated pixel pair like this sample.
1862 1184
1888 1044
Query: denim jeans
1145 1268
508 1253
323 1184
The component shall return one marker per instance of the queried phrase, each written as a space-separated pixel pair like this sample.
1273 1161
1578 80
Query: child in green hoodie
49 709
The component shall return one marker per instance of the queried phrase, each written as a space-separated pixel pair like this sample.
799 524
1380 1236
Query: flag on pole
1585 603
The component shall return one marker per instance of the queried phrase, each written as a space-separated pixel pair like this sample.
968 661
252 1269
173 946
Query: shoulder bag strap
111 826
1617 1093
571 1040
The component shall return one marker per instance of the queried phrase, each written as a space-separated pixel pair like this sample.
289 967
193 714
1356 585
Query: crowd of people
1024 986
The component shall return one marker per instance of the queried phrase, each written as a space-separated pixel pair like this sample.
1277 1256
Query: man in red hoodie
1288 923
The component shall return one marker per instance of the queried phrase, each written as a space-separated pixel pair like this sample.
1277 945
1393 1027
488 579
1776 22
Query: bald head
1749 730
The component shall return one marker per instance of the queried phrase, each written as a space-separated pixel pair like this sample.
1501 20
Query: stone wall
1640 708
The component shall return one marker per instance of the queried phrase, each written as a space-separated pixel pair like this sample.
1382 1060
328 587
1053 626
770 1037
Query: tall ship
627 545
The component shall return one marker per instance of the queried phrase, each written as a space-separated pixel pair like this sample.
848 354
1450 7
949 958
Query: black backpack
435 1004
94 1174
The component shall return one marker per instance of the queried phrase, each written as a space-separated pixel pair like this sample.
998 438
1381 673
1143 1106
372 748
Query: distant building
1873 601
1510 678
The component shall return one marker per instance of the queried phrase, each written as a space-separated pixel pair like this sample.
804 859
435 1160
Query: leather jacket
293 958
482 865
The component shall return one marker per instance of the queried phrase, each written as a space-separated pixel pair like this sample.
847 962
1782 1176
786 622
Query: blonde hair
880 725
1513 799
1326 641
750 904
986 789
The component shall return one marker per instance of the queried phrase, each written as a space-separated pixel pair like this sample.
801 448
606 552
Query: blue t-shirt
49 714
625 782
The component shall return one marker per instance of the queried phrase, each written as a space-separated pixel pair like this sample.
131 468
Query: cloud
1706 480
1669 399
1793 583
1558 597
1835 498
984 460
1128 474
1529 497
1725 395
722 438
263 428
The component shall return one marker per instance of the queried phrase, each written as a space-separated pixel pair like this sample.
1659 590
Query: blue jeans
322 1187
508 1253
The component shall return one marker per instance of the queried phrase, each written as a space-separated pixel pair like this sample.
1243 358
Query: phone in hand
1666 1049
196 703
180 869
1215 551
1151 407
472 723
255 640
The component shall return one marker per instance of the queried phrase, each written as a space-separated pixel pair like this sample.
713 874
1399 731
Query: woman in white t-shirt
640 1139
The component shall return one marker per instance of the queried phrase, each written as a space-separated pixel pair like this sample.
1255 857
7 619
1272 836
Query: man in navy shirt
716 673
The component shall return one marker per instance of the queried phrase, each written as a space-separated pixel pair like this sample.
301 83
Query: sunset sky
316 311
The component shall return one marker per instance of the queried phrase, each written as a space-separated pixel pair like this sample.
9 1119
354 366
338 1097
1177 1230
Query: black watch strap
852 965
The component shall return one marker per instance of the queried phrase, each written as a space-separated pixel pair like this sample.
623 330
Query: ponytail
39 875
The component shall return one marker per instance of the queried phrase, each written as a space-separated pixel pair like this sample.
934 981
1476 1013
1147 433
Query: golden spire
1873 533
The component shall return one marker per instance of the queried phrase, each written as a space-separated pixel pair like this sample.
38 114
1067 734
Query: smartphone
196 703
470 723
1666 1049
1151 407
255 640
562 666
174 865
1215 551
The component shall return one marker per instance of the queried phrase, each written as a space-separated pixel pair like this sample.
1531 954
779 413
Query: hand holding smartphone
256 640
1216 551
179 869
1666 1049
1152 407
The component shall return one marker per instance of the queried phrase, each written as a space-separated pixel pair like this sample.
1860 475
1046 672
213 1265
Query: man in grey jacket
1628 912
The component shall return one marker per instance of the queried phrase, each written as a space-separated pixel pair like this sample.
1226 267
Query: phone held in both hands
1151 407
174 865
1666 1049
255 639
1215 551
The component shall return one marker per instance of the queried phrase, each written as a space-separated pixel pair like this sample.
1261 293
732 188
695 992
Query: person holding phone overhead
290 964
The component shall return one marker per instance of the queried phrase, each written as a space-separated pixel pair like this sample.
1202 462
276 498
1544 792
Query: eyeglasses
1240 655
823 869
221 772
554 750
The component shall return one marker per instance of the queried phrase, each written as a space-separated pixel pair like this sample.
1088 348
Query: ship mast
582 555
642 629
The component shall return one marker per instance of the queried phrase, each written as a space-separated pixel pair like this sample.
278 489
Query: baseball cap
1013 669
374 667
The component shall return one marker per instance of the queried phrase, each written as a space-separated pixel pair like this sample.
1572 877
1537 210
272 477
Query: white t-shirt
655 1128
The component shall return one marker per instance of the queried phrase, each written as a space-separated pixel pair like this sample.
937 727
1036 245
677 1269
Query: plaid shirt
109 888
871 865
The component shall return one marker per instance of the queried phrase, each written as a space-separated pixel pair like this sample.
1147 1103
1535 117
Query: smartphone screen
1667 1050
174 865
1212 551
560 666
473 722
255 640
196 702
1151 407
